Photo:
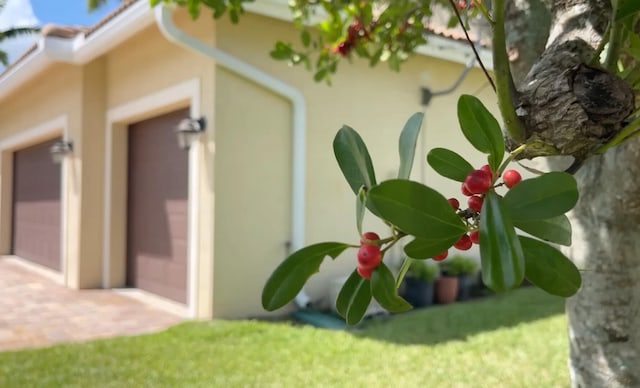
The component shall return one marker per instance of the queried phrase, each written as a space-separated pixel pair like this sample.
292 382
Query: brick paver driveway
35 311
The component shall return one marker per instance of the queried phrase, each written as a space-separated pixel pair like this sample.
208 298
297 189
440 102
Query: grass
513 340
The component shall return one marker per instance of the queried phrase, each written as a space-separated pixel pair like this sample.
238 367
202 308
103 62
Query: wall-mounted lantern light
188 131
59 150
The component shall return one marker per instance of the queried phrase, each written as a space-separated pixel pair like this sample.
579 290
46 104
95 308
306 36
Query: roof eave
79 50
137 16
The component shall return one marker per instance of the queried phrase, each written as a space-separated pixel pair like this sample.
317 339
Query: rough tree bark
605 314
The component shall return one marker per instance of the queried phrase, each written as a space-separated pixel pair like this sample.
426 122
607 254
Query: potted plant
418 283
447 283
463 268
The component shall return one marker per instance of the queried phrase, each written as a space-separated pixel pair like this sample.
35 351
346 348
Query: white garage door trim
58 126
162 101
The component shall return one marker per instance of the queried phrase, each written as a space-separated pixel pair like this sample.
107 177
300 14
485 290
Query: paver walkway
35 311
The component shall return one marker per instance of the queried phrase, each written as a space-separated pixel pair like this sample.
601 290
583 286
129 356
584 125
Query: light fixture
188 131
59 150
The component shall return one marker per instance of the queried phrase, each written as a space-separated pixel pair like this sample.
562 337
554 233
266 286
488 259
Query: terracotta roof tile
57 31
438 24
124 5
69 32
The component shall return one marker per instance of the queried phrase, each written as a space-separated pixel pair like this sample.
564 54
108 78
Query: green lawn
513 340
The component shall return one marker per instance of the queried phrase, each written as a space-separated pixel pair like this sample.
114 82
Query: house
201 227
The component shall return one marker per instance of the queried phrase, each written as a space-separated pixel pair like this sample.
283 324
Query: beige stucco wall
139 70
87 96
74 94
253 127
244 158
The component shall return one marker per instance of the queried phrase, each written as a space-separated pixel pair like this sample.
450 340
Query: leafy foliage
500 250
481 129
287 280
449 164
413 210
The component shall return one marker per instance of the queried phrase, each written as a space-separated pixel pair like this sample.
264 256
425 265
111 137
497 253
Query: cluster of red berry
475 185
369 255
462 4
355 31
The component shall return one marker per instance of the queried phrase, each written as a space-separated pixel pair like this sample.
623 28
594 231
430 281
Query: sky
20 13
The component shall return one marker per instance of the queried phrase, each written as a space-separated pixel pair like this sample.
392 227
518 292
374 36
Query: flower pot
446 289
418 292
464 287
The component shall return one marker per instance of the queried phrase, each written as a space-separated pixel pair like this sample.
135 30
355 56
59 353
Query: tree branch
615 44
473 46
504 82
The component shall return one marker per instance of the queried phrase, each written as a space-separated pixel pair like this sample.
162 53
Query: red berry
464 243
369 238
455 204
465 191
486 168
369 256
475 236
475 202
364 272
441 256
478 182
343 48
511 178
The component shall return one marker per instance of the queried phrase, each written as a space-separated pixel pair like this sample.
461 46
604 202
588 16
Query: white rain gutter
299 115
22 72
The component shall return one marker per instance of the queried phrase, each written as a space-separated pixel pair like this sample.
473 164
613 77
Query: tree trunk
604 315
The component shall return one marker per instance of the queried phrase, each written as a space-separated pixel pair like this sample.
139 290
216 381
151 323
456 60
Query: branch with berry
429 224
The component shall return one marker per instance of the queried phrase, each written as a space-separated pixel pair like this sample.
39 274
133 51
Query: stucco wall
376 102
142 69
53 96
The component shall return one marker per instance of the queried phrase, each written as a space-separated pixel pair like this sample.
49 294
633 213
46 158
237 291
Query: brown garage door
157 208
36 206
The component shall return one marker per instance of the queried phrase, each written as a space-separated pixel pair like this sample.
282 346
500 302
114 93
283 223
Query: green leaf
449 164
321 74
291 275
546 196
305 36
421 248
481 129
361 200
353 158
281 51
549 269
416 209
383 289
407 144
354 298
627 8
500 251
556 230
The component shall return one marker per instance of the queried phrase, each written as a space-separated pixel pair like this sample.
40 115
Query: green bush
420 270
458 265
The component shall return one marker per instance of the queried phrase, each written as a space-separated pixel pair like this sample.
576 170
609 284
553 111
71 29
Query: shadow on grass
457 321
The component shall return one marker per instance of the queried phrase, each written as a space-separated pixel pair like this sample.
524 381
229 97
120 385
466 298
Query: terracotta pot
446 289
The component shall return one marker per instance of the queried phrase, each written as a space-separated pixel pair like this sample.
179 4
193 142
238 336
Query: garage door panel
36 206
157 208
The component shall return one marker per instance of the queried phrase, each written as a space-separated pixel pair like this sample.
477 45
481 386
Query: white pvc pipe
299 115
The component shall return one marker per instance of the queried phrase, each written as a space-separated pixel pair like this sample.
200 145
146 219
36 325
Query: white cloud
17 13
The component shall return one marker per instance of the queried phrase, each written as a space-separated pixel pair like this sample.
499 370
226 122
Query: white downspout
299 117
